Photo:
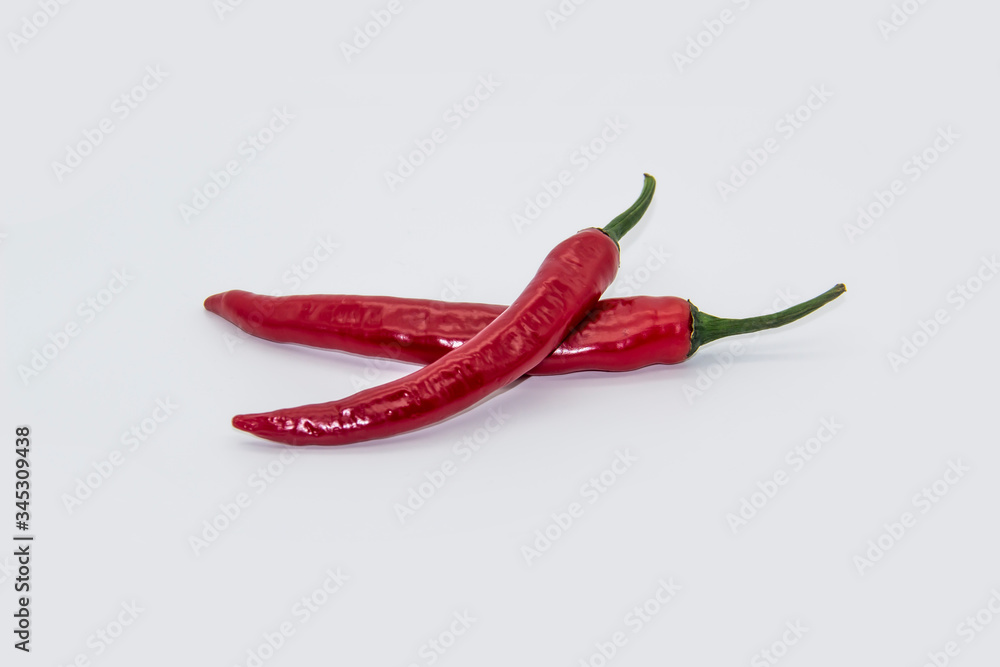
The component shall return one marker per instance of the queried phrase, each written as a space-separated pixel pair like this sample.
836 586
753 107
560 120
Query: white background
447 231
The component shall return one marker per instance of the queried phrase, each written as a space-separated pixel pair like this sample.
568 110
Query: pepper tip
213 304
245 423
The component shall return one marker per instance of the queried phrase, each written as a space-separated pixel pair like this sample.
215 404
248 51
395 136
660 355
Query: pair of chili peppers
557 325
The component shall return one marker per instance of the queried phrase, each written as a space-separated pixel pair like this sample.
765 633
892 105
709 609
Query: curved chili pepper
617 335
567 285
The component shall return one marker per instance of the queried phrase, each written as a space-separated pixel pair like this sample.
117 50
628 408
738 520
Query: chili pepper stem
705 328
618 227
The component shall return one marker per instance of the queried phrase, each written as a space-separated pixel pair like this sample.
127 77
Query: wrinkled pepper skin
617 335
566 287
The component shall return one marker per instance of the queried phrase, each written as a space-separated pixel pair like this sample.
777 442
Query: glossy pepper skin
566 287
617 334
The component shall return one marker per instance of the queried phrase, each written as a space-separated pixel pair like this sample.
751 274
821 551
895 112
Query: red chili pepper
617 335
566 287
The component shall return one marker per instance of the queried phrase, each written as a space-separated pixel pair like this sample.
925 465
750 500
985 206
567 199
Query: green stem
618 227
705 328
